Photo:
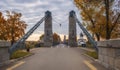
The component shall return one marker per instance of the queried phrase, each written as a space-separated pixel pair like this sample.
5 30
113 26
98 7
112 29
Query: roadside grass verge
18 54
92 54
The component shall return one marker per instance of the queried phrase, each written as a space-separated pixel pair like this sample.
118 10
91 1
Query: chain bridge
48 40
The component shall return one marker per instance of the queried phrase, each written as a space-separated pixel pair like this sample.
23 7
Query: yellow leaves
85 16
56 37
2 25
13 26
2 20
93 15
78 1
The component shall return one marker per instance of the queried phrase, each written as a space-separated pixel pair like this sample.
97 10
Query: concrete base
4 55
109 54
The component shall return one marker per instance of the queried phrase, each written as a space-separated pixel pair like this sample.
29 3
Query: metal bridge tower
48 35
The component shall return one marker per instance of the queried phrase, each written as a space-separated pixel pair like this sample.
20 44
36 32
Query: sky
116 6
34 10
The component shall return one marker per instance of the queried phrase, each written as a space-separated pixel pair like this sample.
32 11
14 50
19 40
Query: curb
14 60
87 49
88 55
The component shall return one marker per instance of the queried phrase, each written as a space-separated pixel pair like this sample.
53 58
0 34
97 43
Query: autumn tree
90 19
56 39
13 27
3 26
41 37
93 15
111 20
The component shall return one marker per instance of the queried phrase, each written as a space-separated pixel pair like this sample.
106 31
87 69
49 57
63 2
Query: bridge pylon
72 42
48 34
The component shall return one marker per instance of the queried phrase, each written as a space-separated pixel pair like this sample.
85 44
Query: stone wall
4 55
109 54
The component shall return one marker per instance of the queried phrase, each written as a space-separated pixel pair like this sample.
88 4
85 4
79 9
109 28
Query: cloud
24 1
34 10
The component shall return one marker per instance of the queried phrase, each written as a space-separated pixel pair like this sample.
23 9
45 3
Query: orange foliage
13 27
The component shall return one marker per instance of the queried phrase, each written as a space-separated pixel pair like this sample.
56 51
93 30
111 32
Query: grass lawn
92 54
18 54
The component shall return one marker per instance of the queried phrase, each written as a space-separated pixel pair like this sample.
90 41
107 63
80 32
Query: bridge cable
55 20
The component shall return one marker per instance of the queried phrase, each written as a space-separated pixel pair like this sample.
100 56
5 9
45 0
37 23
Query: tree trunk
12 41
97 36
12 34
107 19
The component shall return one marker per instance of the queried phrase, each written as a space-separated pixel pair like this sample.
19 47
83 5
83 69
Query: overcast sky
33 11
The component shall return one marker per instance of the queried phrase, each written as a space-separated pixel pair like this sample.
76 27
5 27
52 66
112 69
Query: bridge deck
59 58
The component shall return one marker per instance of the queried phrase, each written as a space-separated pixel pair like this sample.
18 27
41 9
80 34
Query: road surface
59 58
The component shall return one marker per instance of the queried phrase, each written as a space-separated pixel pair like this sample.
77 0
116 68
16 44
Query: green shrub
92 54
18 54
89 45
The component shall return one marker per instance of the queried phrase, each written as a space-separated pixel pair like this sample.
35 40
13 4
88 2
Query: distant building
64 38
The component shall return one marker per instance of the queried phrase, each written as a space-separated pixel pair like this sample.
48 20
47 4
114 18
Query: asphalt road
58 58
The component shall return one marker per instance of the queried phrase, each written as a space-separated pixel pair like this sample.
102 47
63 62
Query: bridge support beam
72 42
48 35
